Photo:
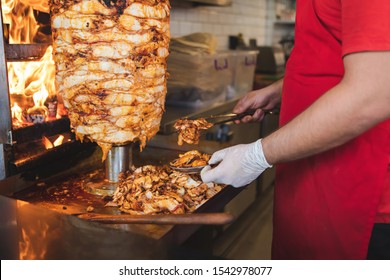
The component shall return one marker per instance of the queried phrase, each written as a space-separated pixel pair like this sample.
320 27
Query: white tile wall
248 17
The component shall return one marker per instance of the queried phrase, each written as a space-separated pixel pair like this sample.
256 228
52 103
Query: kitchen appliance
287 43
30 142
270 60
38 134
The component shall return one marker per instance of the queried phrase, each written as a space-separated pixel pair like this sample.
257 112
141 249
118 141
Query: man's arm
359 102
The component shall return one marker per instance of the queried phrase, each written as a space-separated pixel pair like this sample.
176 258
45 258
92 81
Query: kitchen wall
248 17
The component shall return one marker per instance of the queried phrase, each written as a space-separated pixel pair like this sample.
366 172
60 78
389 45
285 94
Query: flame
28 79
38 5
49 145
21 20
40 97
17 113
58 141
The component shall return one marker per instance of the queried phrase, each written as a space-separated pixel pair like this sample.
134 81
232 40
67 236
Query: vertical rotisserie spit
111 67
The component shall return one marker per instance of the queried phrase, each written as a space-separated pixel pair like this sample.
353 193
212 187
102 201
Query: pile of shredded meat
189 130
111 67
160 190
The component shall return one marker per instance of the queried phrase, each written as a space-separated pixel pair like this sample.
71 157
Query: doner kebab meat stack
111 67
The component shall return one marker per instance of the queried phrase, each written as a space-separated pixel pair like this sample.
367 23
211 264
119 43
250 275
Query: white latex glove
238 165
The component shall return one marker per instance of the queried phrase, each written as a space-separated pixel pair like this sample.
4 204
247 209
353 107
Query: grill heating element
8 137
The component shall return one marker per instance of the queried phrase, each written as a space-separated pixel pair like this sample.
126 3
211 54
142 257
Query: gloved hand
238 165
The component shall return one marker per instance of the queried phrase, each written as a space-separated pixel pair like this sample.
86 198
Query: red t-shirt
326 205
360 26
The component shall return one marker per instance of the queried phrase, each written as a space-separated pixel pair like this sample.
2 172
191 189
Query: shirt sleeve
365 25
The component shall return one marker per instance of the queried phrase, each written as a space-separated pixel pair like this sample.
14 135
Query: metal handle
162 219
219 119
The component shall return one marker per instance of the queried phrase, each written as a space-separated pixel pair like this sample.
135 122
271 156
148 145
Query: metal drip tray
68 195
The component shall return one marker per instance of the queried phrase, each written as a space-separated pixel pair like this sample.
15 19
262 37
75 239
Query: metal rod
5 112
119 159
3 163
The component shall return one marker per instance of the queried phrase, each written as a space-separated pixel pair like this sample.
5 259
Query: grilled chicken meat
158 190
191 159
111 67
189 130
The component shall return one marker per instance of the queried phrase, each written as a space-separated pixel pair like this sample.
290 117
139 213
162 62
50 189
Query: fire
17 114
31 83
49 145
40 97
58 141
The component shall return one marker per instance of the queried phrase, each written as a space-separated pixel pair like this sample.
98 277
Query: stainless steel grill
21 149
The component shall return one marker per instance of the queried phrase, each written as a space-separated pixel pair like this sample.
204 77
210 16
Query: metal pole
5 112
119 159
5 108
3 171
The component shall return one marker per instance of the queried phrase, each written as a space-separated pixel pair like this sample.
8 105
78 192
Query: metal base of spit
100 186
119 160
